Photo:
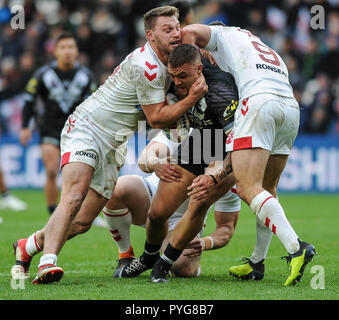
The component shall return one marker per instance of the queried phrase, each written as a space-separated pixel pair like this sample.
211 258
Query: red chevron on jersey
150 77
150 66
244 103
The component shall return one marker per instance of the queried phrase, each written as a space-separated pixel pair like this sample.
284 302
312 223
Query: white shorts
266 121
81 142
229 202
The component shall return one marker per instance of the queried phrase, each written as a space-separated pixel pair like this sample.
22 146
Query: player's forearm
27 114
218 239
221 172
196 34
170 114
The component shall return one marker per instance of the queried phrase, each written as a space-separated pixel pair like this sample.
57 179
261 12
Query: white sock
119 224
264 236
32 246
269 211
49 258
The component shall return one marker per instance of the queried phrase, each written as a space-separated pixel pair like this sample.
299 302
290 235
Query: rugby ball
180 132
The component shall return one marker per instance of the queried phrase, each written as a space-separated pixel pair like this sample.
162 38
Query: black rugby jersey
60 93
216 110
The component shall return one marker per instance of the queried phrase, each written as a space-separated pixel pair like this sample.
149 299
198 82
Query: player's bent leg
297 260
50 156
162 207
76 178
128 205
187 228
184 232
249 169
274 168
90 209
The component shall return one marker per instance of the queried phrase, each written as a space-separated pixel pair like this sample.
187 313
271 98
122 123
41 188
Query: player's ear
199 68
149 35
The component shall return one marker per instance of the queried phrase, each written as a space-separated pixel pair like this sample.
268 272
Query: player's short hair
217 23
184 8
184 53
66 35
151 16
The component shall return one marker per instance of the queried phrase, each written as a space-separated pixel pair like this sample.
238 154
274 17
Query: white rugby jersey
115 108
256 67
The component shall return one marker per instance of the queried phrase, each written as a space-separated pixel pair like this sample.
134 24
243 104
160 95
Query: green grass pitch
88 259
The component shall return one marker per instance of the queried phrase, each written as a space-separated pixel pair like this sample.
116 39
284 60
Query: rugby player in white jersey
132 198
93 141
266 124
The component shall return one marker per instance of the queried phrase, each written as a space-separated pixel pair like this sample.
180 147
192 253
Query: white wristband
203 244
212 241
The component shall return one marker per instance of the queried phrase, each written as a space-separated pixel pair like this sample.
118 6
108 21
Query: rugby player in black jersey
212 117
61 85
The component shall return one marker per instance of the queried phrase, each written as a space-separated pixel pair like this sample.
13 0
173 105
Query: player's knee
243 192
199 207
185 270
74 199
51 173
156 217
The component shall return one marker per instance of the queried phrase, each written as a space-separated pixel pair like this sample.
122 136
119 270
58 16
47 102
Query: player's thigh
249 168
275 166
50 154
130 192
170 196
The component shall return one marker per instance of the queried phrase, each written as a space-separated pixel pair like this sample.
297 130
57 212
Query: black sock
169 256
151 253
51 209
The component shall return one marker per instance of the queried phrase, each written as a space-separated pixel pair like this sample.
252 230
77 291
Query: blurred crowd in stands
107 30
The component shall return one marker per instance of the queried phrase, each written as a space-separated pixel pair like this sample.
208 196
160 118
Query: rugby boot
248 270
47 274
298 261
159 272
121 263
137 266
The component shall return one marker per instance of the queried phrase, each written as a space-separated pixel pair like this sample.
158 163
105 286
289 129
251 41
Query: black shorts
201 148
50 135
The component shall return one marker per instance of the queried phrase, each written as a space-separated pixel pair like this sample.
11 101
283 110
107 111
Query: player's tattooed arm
220 170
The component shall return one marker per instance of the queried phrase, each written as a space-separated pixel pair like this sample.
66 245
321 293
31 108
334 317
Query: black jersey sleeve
222 96
30 96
